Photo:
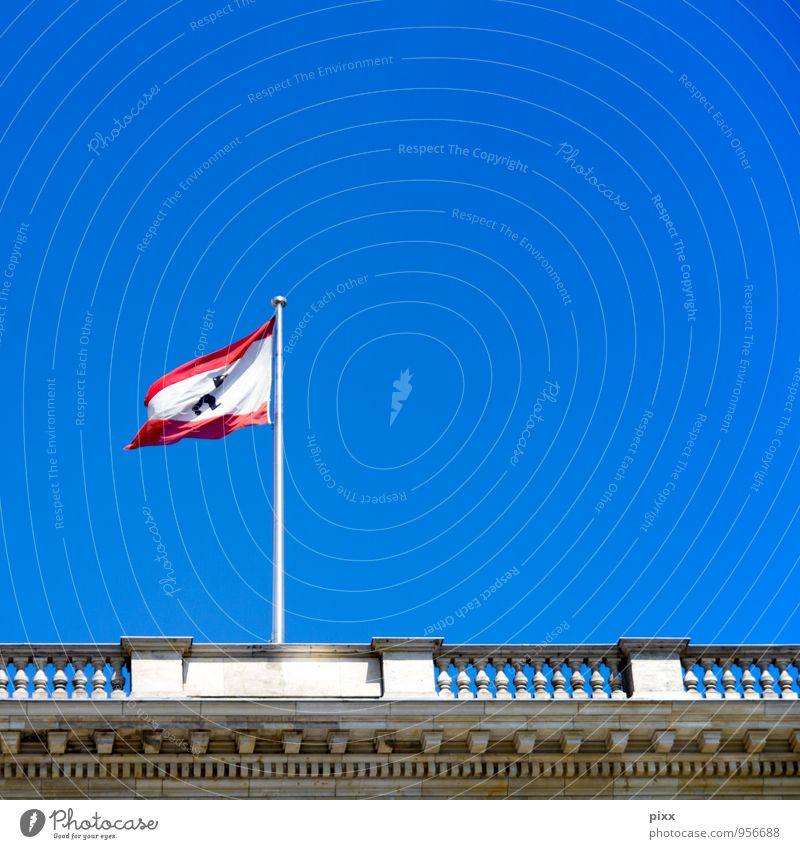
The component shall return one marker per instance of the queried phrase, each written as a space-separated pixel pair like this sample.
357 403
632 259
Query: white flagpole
279 302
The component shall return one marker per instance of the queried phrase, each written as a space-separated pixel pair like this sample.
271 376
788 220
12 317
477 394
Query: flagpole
279 302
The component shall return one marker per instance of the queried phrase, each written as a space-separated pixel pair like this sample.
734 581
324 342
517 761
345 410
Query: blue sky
575 229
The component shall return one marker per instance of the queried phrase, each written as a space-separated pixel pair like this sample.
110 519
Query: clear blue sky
576 229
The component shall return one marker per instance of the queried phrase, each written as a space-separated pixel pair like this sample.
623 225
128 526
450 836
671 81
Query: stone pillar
652 667
407 666
156 666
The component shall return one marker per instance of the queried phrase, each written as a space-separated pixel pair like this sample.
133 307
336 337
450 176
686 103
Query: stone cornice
364 747
137 645
289 650
424 644
662 646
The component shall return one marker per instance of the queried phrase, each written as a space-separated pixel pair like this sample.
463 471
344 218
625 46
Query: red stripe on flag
168 431
208 362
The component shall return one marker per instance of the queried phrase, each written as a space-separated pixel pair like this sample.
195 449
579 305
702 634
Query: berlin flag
209 397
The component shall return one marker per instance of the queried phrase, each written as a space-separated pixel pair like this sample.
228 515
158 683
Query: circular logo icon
31 822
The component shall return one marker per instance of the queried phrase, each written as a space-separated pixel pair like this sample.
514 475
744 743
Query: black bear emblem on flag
208 398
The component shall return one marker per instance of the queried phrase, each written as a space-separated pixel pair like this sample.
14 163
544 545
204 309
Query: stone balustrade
642 668
163 717
735 672
530 672
398 668
81 671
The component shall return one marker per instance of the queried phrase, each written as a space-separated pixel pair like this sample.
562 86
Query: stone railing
631 668
735 672
530 672
398 668
80 671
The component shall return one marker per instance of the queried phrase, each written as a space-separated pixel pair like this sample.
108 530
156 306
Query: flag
211 396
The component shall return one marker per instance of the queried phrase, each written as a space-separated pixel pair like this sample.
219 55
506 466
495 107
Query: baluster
500 678
79 679
596 681
749 681
39 678
710 680
796 663
59 678
482 679
785 679
520 680
729 681
559 682
690 679
539 681
20 678
99 678
118 680
3 679
767 681
462 679
444 680
577 680
615 680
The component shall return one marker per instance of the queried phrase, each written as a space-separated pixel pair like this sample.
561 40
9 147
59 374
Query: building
160 717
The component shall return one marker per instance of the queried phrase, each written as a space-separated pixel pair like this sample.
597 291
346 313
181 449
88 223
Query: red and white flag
209 397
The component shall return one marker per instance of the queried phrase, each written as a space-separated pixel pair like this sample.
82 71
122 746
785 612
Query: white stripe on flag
246 385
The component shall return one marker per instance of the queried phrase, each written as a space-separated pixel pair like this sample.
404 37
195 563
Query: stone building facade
155 717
